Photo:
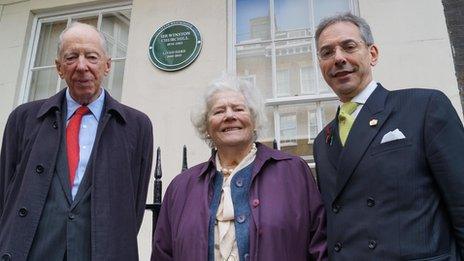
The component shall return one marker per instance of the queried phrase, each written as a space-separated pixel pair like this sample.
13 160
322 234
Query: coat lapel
62 160
361 135
334 146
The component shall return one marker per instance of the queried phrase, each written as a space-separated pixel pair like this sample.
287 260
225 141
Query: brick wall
454 14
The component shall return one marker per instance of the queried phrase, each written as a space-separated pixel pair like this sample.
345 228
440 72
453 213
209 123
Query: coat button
246 256
241 219
55 125
22 212
372 244
255 202
6 257
335 208
39 169
338 246
71 216
239 183
370 202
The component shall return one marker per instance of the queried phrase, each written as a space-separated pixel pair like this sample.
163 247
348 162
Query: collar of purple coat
54 104
263 154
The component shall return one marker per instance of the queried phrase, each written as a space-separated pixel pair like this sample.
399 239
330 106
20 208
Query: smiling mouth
341 73
231 129
83 82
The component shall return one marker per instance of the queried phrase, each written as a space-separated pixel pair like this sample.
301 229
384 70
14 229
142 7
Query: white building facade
268 42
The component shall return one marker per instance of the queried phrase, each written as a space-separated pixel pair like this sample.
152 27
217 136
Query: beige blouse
225 245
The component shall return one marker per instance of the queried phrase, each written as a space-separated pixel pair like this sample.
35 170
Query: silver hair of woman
229 119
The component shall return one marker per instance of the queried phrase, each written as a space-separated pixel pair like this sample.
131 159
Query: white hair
226 82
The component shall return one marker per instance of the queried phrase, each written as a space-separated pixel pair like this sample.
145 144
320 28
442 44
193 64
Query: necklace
226 171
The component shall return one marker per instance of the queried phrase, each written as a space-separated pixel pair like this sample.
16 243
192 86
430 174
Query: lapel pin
373 122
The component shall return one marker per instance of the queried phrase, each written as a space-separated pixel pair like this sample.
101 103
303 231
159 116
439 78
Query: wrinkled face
82 63
347 67
229 120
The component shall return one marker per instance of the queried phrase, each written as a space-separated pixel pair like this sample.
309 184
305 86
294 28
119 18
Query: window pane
312 124
254 60
323 8
294 128
291 56
283 82
43 84
253 23
267 132
115 27
307 80
113 83
292 18
288 129
329 109
48 43
92 20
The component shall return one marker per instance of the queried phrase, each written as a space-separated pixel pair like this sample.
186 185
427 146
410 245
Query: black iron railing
158 186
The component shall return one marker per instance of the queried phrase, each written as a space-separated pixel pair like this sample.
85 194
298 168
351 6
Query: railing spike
184 158
157 190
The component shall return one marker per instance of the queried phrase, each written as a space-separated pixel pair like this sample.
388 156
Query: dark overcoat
121 163
401 199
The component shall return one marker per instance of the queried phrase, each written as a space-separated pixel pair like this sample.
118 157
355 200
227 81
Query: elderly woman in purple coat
247 202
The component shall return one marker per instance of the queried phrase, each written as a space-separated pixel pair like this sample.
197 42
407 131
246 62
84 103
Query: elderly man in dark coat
75 167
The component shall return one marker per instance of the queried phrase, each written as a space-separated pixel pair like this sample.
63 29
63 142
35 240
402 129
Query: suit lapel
334 146
62 161
361 135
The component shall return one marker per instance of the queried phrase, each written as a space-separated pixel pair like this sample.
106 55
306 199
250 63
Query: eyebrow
338 43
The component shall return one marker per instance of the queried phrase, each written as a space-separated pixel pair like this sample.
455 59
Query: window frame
47 17
277 101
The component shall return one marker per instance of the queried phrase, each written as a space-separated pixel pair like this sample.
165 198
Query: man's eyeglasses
348 47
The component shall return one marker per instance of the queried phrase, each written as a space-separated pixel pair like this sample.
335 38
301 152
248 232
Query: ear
374 51
108 66
58 68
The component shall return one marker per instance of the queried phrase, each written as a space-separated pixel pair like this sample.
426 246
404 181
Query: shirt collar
362 97
95 107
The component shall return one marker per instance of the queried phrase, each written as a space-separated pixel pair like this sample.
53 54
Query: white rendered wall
168 97
414 45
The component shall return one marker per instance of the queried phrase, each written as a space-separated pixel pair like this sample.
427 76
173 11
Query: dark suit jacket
400 200
120 169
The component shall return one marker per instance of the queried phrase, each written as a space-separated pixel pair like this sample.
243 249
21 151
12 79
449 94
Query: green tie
345 120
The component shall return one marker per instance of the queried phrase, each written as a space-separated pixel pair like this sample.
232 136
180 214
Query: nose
81 63
339 56
230 114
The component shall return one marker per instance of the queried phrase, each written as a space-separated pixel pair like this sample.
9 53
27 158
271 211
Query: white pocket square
392 135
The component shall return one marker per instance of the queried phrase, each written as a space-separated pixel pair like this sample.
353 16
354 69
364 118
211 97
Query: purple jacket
288 218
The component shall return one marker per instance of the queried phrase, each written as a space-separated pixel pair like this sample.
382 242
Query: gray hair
253 101
75 24
363 26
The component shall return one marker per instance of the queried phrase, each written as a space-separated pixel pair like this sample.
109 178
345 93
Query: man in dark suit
75 167
391 164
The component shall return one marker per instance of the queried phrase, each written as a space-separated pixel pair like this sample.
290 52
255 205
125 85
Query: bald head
81 26
83 62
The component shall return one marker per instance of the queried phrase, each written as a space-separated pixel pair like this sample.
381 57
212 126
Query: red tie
72 141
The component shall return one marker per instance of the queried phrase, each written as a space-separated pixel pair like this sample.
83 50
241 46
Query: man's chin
86 98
